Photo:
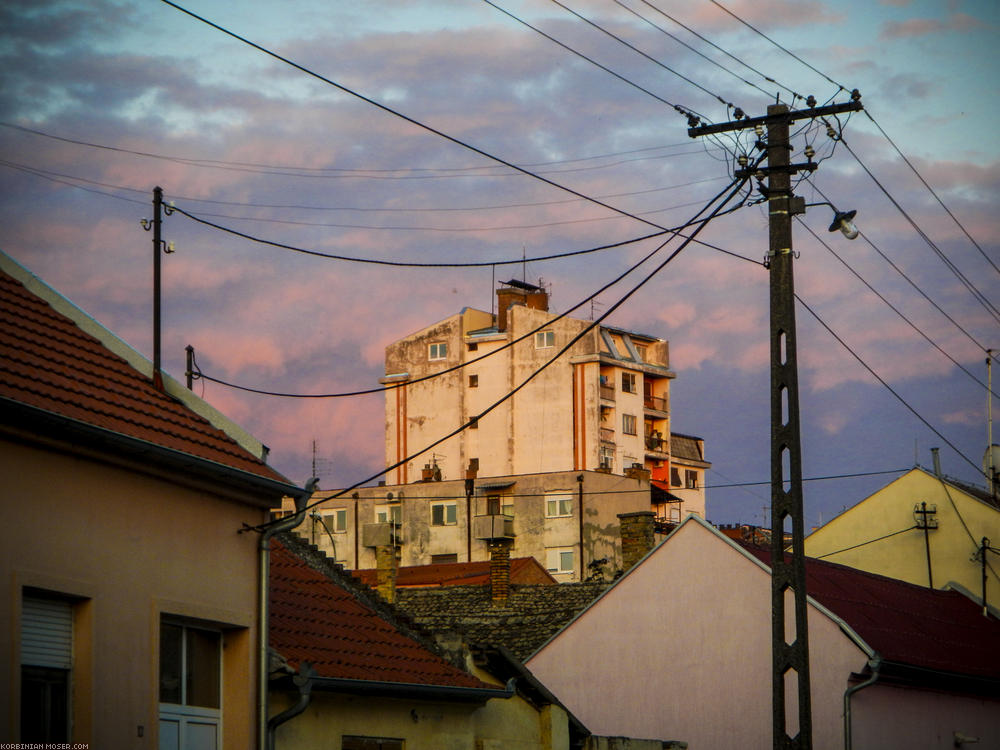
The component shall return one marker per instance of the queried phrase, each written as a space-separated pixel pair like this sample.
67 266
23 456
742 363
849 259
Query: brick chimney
386 567
499 570
637 536
519 293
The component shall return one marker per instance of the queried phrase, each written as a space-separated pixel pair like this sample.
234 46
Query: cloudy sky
101 100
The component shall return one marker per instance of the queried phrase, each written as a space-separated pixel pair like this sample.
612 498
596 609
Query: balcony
607 392
657 447
493 527
382 534
655 403
606 434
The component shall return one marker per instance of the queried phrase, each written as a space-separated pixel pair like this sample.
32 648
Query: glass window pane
565 561
203 668
452 511
170 663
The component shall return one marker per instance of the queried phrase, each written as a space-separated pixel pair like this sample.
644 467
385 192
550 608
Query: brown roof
321 615
531 616
686 447
904 623
522 570
57 370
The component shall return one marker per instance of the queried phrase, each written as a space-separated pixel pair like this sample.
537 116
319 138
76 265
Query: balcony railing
607 435
657 444
657 403
607 392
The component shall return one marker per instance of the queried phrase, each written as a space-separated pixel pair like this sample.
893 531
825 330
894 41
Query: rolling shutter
46 633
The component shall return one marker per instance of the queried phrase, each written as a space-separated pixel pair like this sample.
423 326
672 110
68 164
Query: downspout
285 524
304 682
875 663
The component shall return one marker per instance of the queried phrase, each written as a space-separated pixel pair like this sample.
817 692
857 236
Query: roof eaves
119 347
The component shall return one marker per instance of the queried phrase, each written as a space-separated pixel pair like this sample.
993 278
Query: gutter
263 628
875 663
414 690
304 682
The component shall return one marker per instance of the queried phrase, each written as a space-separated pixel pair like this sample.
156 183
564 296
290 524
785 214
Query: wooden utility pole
789 651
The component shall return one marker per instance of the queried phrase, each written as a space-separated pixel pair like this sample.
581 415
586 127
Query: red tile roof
904 623
522 570
50 363
323 621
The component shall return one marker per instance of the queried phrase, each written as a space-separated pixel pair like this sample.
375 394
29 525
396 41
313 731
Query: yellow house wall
130 548
904 555
500 724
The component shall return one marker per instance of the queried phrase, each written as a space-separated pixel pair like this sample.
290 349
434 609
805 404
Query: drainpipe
875 663
304 682
285 524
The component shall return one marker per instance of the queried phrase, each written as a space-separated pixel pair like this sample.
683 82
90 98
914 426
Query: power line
808 479
931 190
870 541
407 118
885 384
736 185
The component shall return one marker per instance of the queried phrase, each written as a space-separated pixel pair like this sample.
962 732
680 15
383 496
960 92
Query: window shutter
46 633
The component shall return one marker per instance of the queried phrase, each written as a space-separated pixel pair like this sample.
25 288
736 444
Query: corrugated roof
522 570
531 616
50 363
320 615
905 623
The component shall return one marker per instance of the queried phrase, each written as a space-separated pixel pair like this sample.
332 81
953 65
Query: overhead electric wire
407 118
931 190
807 479
870 541
767 78
893 307
647 56
783 49
973 290
888 387
65 180
736 185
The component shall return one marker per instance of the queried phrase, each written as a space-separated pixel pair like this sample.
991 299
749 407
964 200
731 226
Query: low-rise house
892 664
129 597
367 677
522 570
924 528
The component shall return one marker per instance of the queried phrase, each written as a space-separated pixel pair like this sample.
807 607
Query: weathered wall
131 548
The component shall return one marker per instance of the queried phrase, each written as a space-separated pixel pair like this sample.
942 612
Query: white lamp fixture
844 221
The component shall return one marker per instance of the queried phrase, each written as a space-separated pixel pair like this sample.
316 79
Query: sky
395 139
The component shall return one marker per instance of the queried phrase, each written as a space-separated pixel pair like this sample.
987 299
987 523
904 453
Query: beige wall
500 724
128 548
605 496
692 662
962 521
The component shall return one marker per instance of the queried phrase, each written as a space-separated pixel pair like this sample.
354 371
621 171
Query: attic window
438 350
545 339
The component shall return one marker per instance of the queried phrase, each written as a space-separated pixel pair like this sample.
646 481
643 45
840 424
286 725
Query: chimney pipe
499 570
386 564
935 453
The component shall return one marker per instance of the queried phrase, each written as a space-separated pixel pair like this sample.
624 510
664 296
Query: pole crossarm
787 116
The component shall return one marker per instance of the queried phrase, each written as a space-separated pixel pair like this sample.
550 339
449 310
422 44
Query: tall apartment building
603 405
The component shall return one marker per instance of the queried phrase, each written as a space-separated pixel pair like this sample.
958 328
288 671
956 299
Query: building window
473 381
444 514
628 424
336 521
628 382
437 351
473 347
500 505
690 479
190 686
558 504
640 349
46 664
559 560
675 476
545 339
451 557
391 512
607 457
351 742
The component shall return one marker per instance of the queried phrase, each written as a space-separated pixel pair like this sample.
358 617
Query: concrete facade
435 524
604 404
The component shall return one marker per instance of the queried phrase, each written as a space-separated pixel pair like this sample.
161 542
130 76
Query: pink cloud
915 27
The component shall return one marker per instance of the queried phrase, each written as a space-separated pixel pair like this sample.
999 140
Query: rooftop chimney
935 453
637 536
516 292
499 570
386 567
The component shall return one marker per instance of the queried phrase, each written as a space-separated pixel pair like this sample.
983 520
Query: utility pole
926 521
789 652
158 247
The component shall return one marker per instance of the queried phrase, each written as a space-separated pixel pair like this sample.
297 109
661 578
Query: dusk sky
102 100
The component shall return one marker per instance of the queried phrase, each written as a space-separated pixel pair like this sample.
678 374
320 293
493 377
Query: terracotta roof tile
50 363
905 623
522 570
320 617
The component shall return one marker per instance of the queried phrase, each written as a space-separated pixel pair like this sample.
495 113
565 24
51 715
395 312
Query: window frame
437 350
449 513
629 378
393 512
558 554
545 339
559 504
185 714
690 479
627 420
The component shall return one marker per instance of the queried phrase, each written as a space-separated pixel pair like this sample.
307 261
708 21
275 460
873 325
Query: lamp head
844 221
